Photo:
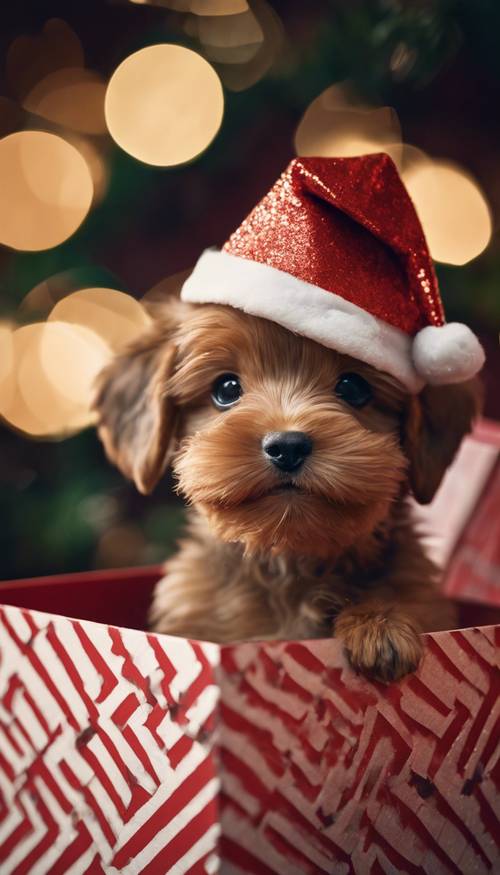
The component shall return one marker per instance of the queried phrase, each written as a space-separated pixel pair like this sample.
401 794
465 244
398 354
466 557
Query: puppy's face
283 445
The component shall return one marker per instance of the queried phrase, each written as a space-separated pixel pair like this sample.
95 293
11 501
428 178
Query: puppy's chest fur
211 590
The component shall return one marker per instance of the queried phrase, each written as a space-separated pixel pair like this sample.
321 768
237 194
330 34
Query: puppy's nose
287 449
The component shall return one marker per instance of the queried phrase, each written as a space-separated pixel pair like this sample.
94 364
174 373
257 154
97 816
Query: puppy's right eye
354 390
226 391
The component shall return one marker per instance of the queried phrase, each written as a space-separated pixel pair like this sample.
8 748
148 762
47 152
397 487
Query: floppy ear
435 424
136 419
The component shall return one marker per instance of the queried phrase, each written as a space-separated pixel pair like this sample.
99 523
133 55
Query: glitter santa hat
335 252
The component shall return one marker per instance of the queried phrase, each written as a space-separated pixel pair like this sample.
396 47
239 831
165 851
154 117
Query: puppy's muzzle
287 449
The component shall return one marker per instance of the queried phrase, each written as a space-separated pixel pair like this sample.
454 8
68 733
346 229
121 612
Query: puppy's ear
435 424
136 419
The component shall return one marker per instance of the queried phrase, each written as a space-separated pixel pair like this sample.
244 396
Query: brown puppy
297 540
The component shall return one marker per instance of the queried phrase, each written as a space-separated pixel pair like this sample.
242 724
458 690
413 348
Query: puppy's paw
383 646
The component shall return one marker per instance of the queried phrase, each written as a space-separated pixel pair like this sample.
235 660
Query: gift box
126 751
462 525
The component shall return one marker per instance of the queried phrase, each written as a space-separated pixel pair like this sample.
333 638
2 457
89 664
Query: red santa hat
336 252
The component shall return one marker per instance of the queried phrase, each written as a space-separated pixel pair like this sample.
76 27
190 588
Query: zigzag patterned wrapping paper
106 749
325 773
107 755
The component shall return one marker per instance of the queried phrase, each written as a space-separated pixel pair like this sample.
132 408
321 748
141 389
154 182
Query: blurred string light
48 369
337 124
71 357
216 7
200 7
115 316
164 105
451 206
30 59
232 39
94 154
7 372
47 73
243 45
55 365
70 97
38 303
12 404
242 40
46 190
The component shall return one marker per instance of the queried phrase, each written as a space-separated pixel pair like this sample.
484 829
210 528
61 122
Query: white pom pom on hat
448 353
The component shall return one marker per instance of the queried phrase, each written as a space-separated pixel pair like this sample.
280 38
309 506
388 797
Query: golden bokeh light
94 154
71 97
46 190
452 208
7 370
410 157
337 125
31 58
164 105
71 356
41 299
114 316
16 411
217 7
231 39
199 7
55 366
242 66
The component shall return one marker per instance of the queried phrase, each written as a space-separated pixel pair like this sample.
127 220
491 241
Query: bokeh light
48 369
337 125
164 105
243 65
94 152
410 157
200 7
71 356
41 299
217 7
115 316
30 58
55 366
71 97
7 371
15 410
46 190
452 208
230 39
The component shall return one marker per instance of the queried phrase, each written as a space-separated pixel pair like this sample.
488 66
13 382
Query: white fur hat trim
447 353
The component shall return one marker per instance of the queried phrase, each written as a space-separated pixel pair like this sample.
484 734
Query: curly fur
336 554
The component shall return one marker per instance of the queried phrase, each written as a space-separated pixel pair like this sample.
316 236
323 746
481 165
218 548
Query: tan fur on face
346 485
336 556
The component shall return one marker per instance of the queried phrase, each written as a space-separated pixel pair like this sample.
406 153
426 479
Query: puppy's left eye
226 391
354 390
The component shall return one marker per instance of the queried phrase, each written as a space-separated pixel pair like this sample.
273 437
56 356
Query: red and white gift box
125 751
